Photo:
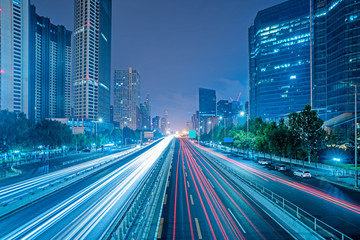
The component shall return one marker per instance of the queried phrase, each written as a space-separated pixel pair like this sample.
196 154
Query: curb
337 183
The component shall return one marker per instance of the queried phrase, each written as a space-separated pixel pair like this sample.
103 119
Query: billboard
228 140
149 135
192 134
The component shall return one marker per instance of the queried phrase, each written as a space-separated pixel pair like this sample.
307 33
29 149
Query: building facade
14 55
49 69
336 56
156 124
126 98
92 39
279 60
105 10
207 103
225 111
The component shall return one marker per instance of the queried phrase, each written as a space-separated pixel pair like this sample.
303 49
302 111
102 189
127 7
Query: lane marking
160 228
211 183
165 199
242 229
191 200
185 174
188 184
198 228
168 183
170 174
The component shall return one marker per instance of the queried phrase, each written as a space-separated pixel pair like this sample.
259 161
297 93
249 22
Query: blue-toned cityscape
179 119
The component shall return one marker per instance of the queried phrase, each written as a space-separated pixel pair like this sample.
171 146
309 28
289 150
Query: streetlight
122 133
242 114
212 132
356 169
222 118
96 145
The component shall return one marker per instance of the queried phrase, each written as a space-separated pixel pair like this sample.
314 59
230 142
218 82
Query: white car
281 168
263 162
302 173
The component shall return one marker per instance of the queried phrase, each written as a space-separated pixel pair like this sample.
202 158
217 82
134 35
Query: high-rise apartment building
126 98
92 38
207 103
156 123
279 60
145 114
336 56
14 55
49 69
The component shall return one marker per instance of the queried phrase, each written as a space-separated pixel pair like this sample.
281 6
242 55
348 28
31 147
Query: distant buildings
207 103
279 60
145 114
156 124
14 56
92 38
195 121
127 98
49 69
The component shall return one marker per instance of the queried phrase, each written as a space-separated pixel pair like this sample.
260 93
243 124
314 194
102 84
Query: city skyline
219 62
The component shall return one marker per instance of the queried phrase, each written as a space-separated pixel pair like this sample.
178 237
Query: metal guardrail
306 218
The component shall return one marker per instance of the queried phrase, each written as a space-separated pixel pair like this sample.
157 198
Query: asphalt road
335 205
83 209
200 203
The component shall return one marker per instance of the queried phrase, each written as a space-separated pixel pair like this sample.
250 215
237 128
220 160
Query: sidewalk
347 182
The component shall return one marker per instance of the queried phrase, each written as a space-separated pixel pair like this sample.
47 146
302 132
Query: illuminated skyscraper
279 60
336 56
127 98
14 55
92 59
49 68
207 103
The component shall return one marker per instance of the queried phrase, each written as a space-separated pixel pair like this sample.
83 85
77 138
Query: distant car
302 174
281 168
86 150
263 162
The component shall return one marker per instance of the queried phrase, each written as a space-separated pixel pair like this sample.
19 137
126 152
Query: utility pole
356 167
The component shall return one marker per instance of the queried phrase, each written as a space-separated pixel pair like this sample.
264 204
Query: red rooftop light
1 71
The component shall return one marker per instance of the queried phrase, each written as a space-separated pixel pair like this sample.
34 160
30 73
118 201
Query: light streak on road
101 207
301 187
26 186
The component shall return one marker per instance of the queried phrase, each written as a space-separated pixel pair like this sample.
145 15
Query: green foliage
300 134
51 134
15 130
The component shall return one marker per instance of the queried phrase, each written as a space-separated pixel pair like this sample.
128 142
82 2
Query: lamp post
122 134
356 169
212 132
96 141
223 118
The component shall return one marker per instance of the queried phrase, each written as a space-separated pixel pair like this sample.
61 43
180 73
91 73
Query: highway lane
36 169
85 209
200 203
33 184
337 206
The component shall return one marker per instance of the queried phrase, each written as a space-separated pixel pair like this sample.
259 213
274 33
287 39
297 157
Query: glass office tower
279 60
336 56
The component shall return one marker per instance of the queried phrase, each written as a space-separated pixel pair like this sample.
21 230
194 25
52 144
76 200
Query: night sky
177 46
